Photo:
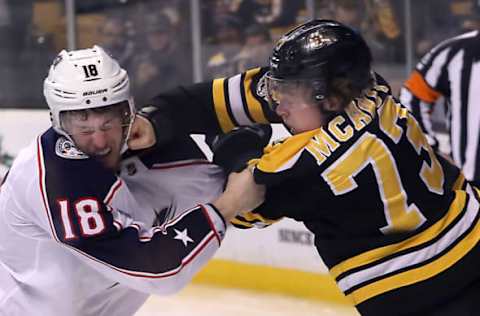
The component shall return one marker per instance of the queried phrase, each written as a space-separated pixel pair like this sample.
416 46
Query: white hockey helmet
85 79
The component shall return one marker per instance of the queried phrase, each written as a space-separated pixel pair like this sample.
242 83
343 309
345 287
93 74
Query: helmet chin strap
127 136
131 105
129 130
124 145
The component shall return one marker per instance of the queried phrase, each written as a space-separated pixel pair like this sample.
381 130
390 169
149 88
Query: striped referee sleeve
452 70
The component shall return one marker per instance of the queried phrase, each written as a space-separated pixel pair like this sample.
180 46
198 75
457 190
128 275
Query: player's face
295 105
300 117
99 135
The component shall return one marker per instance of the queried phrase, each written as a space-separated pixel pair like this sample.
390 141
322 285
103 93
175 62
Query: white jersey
77 239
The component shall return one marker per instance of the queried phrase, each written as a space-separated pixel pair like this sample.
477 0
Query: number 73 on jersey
370 150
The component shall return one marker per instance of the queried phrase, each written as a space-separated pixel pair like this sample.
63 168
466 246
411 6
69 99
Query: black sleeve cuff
162 124
218 212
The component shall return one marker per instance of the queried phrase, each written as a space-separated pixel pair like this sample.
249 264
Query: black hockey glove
233 150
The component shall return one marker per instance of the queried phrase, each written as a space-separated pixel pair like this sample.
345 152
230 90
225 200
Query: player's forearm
213 107
158 259
184 110
241 194
225 206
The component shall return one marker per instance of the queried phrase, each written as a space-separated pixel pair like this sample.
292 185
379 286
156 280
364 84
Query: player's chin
292 128
300 128
110 161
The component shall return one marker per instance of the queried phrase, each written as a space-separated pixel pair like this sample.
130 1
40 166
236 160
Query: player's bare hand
142 134
241 194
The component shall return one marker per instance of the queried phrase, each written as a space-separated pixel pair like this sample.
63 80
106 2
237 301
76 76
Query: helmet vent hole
87 102
104 99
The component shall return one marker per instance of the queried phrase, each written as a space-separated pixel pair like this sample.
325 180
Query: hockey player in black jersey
396 224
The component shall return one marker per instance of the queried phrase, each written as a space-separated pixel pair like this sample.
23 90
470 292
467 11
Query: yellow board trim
226 273
421 273
370 256
254 106
226 124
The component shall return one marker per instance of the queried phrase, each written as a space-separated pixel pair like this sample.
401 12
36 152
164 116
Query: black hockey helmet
316 53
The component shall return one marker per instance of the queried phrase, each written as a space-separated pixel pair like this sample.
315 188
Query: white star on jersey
183 236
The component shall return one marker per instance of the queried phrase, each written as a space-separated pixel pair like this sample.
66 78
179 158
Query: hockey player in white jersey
85 230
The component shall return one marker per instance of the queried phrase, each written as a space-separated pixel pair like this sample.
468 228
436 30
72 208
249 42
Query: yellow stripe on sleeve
251 217
254 106
459 182
220 106
239 222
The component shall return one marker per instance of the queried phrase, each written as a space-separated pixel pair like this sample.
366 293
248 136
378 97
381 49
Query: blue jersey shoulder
71 174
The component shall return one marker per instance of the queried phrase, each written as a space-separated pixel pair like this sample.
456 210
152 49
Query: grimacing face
99 133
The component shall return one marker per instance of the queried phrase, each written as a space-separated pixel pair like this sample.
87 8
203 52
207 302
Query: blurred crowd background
164 43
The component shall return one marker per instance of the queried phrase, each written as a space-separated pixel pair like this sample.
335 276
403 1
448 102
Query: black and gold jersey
217 106
393 221
389 216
